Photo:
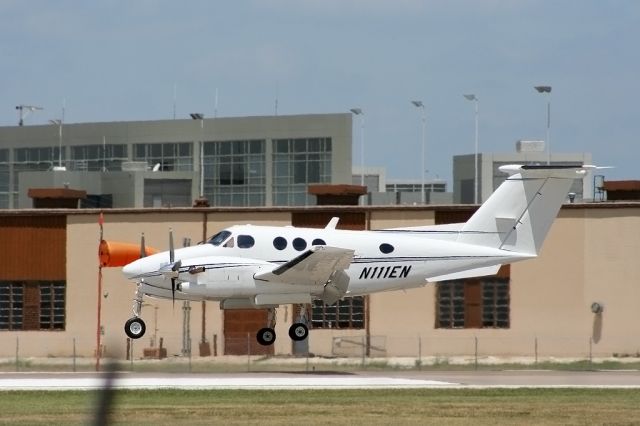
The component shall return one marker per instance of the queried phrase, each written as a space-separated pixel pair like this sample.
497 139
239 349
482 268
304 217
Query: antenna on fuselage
143 249
332 223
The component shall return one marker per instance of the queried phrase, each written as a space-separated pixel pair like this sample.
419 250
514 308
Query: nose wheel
135 328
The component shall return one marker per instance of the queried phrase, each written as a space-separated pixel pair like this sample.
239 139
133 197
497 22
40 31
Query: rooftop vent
529 146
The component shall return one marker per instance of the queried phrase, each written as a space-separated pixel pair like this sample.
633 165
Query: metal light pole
419 104
547 89
358 111
476 189
200 116
59 124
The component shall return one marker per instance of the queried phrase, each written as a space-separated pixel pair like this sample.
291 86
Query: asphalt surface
360 380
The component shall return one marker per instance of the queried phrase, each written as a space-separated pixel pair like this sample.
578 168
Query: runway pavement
360 380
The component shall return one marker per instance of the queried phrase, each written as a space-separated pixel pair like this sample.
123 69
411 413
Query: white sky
119 60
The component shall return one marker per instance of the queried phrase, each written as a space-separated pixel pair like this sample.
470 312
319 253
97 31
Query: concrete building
490 177
579 297
238 161
383 191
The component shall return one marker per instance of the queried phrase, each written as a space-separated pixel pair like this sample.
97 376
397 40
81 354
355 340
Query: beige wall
589 256
383 219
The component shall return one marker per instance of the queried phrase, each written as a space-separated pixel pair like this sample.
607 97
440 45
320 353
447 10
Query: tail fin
518 215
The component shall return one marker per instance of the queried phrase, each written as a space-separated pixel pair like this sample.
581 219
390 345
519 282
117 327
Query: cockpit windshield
219 238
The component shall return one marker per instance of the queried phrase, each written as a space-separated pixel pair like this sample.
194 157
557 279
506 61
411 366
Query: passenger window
229 244
386 248
299 244
245 241
318 242
280 243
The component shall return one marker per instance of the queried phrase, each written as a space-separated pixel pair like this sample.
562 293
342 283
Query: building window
234 173
296 164
474 303
32 305
346 313
11 304
52 305
5 189
495 304
171 156
108 157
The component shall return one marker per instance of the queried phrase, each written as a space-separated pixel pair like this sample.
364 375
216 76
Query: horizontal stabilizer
478 272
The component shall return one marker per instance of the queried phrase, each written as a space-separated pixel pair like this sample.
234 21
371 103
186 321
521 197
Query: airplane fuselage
224 268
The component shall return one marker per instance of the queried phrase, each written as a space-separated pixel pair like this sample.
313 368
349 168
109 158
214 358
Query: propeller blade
172 255
175 267
143 249
173 291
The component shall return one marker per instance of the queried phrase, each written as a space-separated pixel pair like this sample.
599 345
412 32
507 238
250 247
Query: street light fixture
419 104
547 89
473 98
24 110
358 111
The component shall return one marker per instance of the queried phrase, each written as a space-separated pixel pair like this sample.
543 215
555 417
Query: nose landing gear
135 327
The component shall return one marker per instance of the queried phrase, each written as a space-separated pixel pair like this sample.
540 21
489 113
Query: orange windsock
113 253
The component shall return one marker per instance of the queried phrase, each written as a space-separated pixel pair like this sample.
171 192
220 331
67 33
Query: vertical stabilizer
519 214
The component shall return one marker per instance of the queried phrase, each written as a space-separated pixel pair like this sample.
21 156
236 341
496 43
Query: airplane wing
313 267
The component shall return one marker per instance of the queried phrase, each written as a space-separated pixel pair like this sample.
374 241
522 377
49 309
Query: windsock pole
98 329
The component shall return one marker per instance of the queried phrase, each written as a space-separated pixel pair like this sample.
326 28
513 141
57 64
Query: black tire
266 336
298 331
135 328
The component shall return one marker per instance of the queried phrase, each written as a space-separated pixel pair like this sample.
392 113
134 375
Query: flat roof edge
294 209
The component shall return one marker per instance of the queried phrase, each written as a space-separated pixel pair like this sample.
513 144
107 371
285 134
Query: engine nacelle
335 288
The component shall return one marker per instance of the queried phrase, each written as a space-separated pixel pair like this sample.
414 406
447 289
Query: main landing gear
135 327
297 332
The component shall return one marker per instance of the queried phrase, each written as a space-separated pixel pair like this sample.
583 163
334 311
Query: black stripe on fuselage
414 259
186 269
433 231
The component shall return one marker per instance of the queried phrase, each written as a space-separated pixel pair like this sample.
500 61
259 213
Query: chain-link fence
241 352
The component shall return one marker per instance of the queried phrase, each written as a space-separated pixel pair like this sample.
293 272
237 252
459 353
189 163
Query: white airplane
260 267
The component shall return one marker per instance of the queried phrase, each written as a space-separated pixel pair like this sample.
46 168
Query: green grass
310 407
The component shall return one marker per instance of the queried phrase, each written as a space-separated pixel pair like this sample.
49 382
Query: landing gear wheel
298 331
135 328
266 336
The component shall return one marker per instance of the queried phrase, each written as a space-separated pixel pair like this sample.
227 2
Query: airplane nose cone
131 270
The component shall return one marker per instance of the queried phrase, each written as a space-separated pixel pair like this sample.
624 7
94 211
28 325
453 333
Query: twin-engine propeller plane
262 267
